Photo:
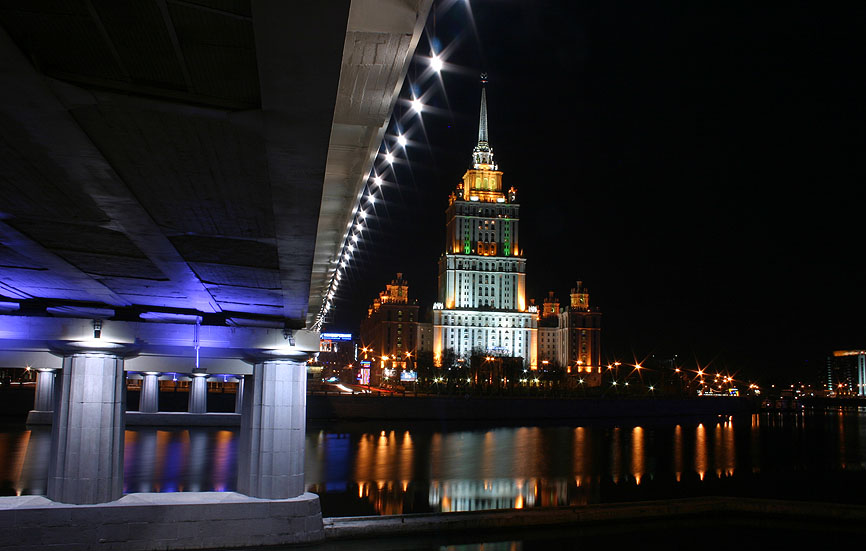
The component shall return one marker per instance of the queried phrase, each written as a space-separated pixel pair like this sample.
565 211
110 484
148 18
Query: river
373 469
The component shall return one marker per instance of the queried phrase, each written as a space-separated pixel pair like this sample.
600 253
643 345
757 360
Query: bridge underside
176 182
165 159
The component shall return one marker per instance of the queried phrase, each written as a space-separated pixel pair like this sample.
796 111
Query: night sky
697 165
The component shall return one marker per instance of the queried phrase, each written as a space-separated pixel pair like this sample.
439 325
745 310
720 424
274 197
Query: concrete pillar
271 448
149 400
44 389
198 393
239 397
86 462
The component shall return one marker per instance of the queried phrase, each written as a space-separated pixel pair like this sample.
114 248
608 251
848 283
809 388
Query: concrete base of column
86 462
39 417
146 521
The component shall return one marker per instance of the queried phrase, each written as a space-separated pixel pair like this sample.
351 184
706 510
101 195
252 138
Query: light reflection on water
362 471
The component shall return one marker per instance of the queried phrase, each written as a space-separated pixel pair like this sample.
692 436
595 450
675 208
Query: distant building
846 373
389 334
482 309
571 337
551 337
336 354
424 339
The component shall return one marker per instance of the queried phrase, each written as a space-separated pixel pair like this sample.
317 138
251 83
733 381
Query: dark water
361 469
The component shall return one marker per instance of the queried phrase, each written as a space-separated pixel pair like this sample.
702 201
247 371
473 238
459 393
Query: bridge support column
86 461
44 389
271 448
149 400
239 397
198 393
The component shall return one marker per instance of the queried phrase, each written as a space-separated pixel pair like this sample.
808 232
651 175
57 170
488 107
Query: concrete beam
381 37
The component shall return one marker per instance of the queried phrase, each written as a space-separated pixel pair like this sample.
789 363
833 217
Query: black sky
698 165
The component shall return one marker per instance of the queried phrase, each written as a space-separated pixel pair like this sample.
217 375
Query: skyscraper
482 306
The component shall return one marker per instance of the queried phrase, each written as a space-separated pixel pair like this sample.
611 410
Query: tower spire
483 153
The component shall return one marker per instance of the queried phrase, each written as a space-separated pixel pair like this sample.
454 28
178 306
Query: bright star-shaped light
401 139
377 180
417 105
436 63
362 214
372 200
389 158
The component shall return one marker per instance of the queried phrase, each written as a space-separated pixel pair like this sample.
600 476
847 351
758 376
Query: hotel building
482 307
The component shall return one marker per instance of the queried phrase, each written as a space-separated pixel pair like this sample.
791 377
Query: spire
482 121
483 153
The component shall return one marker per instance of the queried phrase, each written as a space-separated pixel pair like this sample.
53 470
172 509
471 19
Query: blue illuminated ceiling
171 156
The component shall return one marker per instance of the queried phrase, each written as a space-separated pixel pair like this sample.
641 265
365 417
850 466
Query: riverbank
451 408
366 407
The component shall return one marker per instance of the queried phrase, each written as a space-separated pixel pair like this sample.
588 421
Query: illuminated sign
364 375
388 373
336 336
365 363
408 376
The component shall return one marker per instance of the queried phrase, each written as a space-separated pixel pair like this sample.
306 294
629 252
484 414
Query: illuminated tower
583 326
482 276
391 327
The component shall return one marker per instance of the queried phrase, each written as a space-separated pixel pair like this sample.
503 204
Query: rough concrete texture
150 521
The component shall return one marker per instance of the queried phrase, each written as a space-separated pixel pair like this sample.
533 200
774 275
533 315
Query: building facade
389 333
482 307
846 373
570 337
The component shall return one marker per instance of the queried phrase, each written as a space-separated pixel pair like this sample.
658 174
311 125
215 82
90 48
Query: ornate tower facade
583 325
482 306
390 331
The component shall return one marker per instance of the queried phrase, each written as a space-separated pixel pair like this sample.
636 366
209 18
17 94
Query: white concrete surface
151 521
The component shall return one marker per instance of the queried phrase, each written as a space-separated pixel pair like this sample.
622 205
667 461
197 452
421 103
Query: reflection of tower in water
504 493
